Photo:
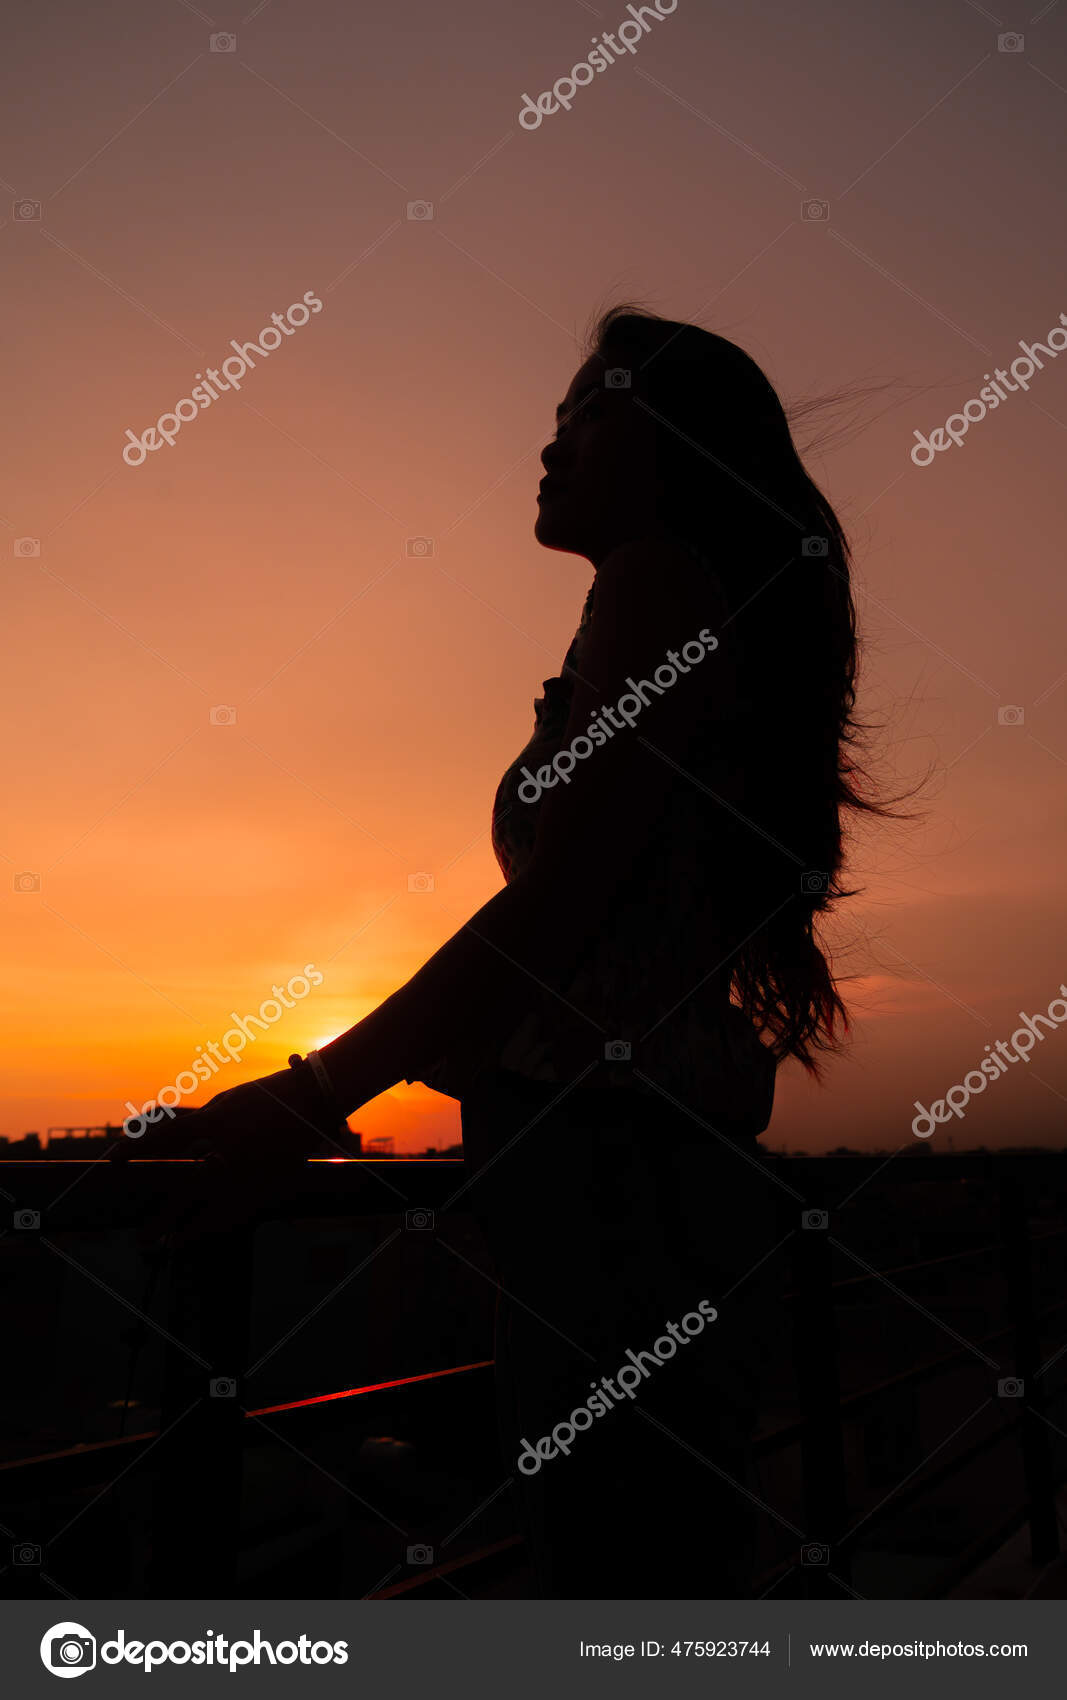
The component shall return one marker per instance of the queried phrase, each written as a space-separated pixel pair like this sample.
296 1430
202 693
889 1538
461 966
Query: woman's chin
551 533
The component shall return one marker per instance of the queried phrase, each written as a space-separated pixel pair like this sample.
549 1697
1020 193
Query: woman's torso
647 1006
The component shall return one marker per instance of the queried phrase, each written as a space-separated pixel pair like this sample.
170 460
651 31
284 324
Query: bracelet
314 1064
318 1069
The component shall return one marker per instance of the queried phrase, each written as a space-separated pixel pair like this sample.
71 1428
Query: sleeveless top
651 979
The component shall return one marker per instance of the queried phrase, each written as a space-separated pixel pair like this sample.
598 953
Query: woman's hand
281 1117
250 1139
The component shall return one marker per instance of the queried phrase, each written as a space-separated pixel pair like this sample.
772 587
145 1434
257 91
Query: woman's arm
651 598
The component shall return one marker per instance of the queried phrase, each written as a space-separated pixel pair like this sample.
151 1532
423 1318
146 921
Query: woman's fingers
277 1117
186 1136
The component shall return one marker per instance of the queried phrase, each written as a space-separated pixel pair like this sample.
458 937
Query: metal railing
832 1514
197 1450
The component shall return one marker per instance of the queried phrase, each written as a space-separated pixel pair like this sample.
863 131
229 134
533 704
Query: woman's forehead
592 373
591 376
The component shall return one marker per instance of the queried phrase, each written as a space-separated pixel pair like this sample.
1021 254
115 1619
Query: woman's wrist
325 1084
321 1100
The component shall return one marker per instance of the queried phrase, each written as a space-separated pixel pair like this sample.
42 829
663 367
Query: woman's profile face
600 485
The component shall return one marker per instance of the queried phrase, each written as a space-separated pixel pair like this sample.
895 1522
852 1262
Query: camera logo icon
27 547
1010 715
617 1050
25 210
25 1553
418 1220
224 42
223 715
420 547
420 1554
617 378
814 883
1010 43
815 212
68 1649
815 548
420 210
26 882
1010 1388
28 1221
420 882
814 1219
813 1553
223 1387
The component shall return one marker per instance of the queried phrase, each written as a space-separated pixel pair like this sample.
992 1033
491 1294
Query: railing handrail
40 1465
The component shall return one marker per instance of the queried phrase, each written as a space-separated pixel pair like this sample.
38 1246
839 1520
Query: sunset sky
163 867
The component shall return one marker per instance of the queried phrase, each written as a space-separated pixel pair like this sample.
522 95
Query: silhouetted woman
611 1021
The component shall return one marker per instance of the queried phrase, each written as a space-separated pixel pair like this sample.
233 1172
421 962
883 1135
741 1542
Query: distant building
80 1144
87 1144
28 1146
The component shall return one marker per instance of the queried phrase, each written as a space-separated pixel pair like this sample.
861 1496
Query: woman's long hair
732 483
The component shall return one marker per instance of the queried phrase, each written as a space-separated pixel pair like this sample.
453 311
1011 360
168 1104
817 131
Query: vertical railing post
198 1458
1038 1469
819 1387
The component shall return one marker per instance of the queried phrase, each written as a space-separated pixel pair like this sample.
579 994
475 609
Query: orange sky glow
246 710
